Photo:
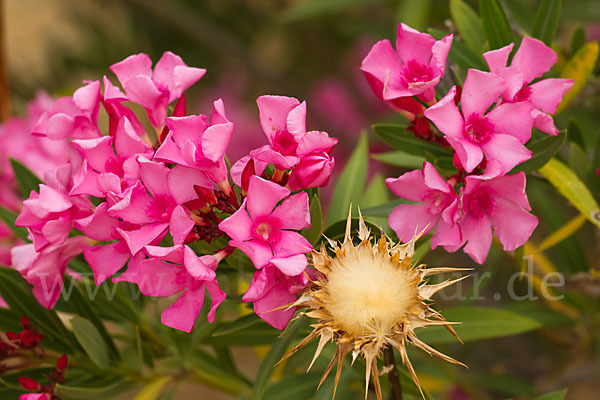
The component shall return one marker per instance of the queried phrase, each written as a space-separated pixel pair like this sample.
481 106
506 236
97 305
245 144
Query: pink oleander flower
110 163
194 143
531 61
172 270
413 69
433 197
473 132
155 204
270 289
34 396
155 90
72 117
265 231
494 201
45 269
50 214
283 120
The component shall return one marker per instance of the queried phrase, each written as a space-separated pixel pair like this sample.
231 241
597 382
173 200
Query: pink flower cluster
486 123
129 197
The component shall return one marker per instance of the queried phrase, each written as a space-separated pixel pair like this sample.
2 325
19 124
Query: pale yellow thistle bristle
370 297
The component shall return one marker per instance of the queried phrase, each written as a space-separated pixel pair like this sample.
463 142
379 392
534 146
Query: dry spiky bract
370 297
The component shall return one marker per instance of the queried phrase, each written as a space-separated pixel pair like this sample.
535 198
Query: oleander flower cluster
135 195
486 123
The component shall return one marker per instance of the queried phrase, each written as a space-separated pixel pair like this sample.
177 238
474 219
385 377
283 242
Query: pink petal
134 65
85 181
497 59
547 94
510 187
157 278
182 314
260 253
54 201
512 225
296 121
469 153
294 212
513 119
544 122
506 149
262 281
96 151
289 244
446 116
181 182
111 92
274 111
59 126
447 235
291 266
127 142
99 225
239 225
173 254
382 67
433 180
315 141
185 77
439 53
142 90
163 74
263 195
410 185
137 239
169 151
480 91
413 45
180 225
133 206
201 268
409 219
105 260
215 141
154 176
478 233
533 58
189 128
278 296
217 296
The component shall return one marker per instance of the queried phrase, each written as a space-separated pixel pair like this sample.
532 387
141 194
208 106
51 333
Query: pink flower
157 204
172 270
433 197
45 269
270 289
33 396
155 90
491 200
72 117
499 133
531 61
265 231
194 143
413 69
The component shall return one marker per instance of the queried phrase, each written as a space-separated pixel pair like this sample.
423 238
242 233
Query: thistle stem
394 378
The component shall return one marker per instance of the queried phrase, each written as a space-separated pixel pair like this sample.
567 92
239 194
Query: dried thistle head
370 297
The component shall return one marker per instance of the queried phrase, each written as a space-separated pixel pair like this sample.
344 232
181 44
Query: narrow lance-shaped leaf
313 233
460 54
546 20
9 219
579 68
558 395
543 150
468 24
26 179
397 137
495 24
92 342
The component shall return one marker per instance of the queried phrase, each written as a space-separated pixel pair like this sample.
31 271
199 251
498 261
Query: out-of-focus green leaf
237 325
26 179
460 54
546 20
350 184
256 334
294 387
92 342
399 159
579 68
543 150
275 353
153 389
504 384
558 395
397 137
575 133
521 12
445 166
495 25
338 229
377 192
314 8
468 23
9 219
92 393
212 373
477 323
571 187
313 233
578 161
414 13
383 210
577 38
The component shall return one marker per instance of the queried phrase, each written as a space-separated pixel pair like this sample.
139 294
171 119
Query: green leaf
577 38
314 8
445 166
9 219
383 210
504 384
579 68
477 323
468 23
543 150
276 352
237 325
153 389
414 13
398 138
338 229
256 334
558 395
26 179
377 192
294 387
460 54
571 187
351 182
578 161
521 12
209 371
495 24
92 342
546 20
575 133
92 393
399 159
313 233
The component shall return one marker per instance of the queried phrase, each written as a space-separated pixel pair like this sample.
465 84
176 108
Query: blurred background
312 49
